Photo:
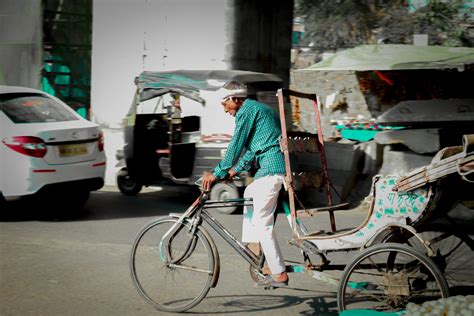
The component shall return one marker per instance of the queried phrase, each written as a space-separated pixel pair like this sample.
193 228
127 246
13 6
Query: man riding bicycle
257 130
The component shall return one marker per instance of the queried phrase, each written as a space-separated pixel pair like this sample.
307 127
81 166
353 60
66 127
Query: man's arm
245 163
242 131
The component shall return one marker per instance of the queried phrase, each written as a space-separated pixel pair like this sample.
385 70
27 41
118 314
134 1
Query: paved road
78 265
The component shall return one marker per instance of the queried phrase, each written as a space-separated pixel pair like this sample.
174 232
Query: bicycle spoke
172 268
183 267
453 254
406 276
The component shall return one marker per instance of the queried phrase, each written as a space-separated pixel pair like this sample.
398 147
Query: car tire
127 185
3 202
225 191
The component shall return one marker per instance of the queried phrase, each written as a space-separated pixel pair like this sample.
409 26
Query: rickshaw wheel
453 252
389 276
127 185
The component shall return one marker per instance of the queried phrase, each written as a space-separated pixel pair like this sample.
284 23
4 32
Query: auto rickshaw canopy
189 83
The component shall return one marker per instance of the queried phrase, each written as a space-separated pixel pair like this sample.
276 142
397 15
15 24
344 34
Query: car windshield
33 108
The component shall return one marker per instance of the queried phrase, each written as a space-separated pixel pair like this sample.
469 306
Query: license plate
72 150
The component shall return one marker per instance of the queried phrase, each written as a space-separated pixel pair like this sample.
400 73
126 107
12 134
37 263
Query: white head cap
238 93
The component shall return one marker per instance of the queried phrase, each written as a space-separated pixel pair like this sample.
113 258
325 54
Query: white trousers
259 220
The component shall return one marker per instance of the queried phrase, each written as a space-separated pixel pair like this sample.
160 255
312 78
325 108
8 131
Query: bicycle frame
197 213
191 223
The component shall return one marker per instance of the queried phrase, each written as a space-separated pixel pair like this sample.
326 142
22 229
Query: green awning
189 82
396 57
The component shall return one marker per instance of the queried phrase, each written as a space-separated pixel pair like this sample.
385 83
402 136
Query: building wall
130 36
21 43
348 101
261 38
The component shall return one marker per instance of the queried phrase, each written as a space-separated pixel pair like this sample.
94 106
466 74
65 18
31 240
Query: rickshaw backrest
388 208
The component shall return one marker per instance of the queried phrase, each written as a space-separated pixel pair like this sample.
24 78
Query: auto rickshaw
176 128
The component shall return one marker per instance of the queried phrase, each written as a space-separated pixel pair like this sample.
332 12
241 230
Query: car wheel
3 202
126 184
225 191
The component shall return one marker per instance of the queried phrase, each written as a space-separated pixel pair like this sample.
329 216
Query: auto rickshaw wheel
225 191
3 202
127 185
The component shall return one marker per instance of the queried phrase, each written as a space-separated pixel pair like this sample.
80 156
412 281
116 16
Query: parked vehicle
47 150
176 128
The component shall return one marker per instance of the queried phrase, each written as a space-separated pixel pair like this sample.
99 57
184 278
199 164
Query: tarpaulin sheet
190 82
396 57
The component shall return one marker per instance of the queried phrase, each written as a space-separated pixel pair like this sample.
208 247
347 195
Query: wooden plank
431 173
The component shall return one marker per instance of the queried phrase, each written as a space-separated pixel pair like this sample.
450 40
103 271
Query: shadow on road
317 305
103 205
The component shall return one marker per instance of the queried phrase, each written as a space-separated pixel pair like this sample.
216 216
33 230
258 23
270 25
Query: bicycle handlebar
198 182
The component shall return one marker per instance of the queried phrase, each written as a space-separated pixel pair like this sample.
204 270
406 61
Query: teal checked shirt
257 130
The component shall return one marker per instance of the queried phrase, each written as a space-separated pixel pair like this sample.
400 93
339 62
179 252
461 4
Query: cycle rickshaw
399 258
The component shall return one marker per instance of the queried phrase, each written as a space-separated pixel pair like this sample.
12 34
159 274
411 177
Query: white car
47 149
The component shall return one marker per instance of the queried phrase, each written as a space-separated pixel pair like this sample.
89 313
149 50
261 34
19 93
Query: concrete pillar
21 40
261 36
130 36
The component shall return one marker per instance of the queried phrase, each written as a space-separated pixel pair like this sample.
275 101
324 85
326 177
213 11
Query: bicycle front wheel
171 267
386 277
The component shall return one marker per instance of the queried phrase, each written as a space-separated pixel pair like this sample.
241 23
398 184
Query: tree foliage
332 25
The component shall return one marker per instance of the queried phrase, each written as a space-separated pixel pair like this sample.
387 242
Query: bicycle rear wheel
172 269
386 277
453 254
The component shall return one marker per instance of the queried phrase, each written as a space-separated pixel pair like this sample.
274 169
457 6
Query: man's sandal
270 283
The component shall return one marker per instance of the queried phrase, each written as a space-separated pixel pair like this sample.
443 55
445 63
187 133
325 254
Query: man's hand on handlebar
207 181
232 173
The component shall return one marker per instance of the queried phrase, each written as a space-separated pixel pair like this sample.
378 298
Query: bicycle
383 276
171 251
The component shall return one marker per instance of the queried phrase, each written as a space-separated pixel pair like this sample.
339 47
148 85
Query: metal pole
284 147
322 152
